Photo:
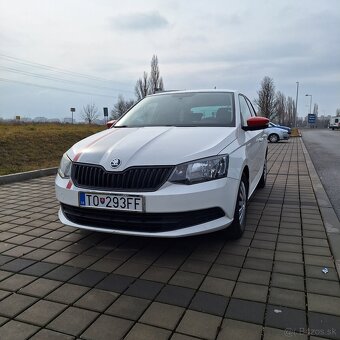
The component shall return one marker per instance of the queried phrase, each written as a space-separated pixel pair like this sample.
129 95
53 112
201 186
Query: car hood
284 128
152 145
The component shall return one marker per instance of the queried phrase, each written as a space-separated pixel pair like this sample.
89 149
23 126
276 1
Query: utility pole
310 108
310 103
296 102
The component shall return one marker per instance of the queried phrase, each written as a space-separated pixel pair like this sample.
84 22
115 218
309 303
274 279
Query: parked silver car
276 134
287 128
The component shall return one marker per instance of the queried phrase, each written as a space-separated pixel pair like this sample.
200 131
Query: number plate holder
110 201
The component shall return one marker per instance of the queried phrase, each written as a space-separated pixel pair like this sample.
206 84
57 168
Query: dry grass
295 132
26 147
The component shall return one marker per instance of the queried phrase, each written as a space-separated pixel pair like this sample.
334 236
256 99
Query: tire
263 179
236 229
273 138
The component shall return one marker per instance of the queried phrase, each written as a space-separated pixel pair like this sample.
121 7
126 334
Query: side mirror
256 123
111 123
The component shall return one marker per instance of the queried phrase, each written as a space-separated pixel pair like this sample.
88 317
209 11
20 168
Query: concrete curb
24 176
329 217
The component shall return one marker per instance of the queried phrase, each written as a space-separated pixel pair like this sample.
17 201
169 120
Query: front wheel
236 229
273 138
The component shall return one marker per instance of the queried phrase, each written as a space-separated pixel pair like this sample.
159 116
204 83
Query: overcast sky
199 44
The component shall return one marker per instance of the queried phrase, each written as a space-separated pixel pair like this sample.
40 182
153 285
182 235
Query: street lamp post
310 103
310 106
296 102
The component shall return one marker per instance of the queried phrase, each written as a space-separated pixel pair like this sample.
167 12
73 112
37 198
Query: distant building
68 120
40 120
26 119
54 120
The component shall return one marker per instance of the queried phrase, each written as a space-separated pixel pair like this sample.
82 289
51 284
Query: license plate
111 201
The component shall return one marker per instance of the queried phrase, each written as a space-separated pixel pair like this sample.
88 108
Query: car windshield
182 109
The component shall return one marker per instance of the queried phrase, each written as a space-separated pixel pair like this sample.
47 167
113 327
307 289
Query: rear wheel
273 138
236 229
263 179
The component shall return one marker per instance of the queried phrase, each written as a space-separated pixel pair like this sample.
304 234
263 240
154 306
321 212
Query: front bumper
200 208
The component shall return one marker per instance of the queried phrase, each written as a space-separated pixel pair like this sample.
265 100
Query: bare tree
142 87
290 111
280 107
316 109
337 112
155 81
89 113
121 107
266 100
161 85
149 84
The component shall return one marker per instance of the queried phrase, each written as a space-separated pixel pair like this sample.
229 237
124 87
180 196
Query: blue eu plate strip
82 198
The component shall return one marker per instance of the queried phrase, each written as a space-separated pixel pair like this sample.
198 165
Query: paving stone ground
58 282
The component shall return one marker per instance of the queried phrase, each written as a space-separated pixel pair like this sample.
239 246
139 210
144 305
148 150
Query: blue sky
199 44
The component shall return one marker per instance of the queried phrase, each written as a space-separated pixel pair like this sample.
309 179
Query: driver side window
244 108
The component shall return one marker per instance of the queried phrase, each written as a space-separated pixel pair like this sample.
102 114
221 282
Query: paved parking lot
58 282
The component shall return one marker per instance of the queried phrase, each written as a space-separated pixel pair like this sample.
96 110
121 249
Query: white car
176 164
276 134
334 123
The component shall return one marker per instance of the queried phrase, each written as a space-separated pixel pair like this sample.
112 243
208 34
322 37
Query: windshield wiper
120 126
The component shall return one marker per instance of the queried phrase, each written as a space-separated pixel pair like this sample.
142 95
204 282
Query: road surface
323 146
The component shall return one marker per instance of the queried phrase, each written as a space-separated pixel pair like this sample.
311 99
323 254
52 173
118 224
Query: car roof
195 91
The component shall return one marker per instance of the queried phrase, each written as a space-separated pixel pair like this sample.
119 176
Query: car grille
132 179
139 222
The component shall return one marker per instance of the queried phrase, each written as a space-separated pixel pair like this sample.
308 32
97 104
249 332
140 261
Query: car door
252 143
261 140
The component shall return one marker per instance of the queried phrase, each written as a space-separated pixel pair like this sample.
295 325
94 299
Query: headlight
64 170
202 170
